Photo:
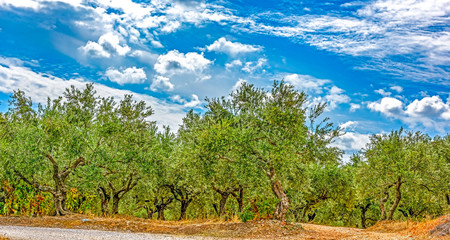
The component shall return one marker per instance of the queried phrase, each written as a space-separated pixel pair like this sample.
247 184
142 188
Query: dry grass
435 228
3 238
432 227
392 226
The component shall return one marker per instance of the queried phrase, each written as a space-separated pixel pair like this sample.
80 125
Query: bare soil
264 229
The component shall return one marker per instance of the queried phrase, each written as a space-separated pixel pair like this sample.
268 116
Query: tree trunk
398 197
161 214
60 202
240 199
312 216
364 209
383 200
115 204
223 203
60 194
184 196
150 212
304 212
161 206
183 208
104 200
283 200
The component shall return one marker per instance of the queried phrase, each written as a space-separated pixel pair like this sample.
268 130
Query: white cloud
315 88
108 44
354 107
130 75
232 48
336 97
40 86
95 50
351 141
175 62
194 103
389 106
306 83
348 124
431 112
398 89
234 63
429 107
238 84
382 30
160 82
37 4
171 26
383 92
252 67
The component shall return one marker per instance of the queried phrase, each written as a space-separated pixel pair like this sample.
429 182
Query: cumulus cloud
252 67
160 82
431 112
108 44
39 86
193 103
306 83
354 107
234 63
389 106
383 92
348 124
352 141
131 75
232 48
398 89
175 62
336 97
429 107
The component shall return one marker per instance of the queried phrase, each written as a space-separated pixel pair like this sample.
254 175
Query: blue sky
379 64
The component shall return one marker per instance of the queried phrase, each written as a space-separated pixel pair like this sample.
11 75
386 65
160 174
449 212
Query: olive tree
48 143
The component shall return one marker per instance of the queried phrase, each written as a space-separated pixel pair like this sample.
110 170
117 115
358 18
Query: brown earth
264 229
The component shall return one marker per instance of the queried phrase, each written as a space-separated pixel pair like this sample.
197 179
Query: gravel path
39 233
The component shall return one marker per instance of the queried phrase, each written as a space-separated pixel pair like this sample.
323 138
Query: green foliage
256 154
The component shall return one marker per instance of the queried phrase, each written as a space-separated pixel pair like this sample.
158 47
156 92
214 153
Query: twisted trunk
283 201
364 209
117 195
59 192
239 198
398 196
161 205
184 196
104 198
225 194
383 200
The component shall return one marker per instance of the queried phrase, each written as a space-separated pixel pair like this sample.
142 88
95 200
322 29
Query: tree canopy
253 154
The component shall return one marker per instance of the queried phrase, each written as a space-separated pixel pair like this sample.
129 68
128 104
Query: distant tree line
253 154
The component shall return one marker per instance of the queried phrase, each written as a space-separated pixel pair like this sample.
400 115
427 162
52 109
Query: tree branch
34 184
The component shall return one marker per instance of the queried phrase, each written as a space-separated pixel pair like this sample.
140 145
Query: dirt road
39 233
312 232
